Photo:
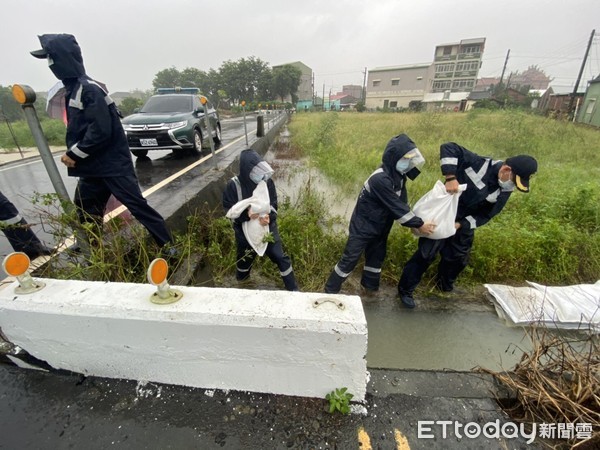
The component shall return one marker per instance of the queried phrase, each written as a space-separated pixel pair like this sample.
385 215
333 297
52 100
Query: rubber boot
334 283
290 282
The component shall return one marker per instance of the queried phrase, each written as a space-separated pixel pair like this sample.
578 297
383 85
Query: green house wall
589 111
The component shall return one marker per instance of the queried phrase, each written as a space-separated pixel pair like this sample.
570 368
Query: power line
547 57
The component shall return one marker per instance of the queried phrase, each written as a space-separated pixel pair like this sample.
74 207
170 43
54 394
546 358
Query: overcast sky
126 42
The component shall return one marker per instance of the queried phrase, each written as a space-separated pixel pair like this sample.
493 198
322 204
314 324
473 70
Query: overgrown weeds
557 382
549 235
119 250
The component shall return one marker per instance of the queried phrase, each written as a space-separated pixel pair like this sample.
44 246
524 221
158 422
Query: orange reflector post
16 264
157 272
157 276
23 94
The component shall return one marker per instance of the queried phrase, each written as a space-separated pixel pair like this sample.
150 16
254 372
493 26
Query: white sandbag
439 207
260 203
569 307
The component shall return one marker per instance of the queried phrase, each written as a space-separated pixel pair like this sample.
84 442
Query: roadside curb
13 157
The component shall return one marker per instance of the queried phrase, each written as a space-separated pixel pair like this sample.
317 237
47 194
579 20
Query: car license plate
148 142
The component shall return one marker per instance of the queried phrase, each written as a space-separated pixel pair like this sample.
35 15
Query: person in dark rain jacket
254 169
382 200
489 186
18 232
97 149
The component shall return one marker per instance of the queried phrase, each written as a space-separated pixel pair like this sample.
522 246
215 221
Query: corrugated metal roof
565 90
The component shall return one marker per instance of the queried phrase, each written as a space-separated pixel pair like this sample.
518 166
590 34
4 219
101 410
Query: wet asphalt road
59 411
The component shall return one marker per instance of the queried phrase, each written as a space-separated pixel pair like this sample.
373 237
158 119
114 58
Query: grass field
550 235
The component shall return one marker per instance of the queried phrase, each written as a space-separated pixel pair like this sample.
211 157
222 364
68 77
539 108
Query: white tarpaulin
571 307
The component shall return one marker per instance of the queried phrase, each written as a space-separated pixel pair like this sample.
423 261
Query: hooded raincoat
95 136
96 141
242 187
382 200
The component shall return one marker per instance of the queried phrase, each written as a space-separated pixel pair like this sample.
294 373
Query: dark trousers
16 230
92 194
374 249
246 256
454 252
8 211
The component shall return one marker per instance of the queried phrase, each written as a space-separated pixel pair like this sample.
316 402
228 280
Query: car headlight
127 127
173 125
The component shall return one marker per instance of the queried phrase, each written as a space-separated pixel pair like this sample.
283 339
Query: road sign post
204 102
244 113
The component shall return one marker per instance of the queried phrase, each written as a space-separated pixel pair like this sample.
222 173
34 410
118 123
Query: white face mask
256 178
508 185
402 165
412 160
262 171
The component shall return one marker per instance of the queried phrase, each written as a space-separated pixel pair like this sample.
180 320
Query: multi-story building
397 86
354 90
456 65
305 89
445 83
455 69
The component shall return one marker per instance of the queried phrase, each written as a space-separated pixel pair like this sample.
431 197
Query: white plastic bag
438 207
253 231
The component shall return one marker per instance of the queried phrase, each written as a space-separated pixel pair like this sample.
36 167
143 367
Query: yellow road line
363 439
401 441
115 212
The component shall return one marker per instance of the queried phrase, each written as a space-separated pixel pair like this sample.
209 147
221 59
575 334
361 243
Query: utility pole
323 102
574 94
504 68
364 92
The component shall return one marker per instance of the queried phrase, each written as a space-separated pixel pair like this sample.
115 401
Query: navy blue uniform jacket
484 198
383 197
95 136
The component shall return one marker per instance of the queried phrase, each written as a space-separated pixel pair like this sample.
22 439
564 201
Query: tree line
247 79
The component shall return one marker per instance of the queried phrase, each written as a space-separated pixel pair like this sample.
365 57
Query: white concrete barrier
290 343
